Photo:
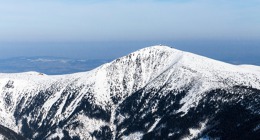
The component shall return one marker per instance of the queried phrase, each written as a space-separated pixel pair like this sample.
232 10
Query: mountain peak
157 48
163 55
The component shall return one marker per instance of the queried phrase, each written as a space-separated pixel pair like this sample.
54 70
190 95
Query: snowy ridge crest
62 101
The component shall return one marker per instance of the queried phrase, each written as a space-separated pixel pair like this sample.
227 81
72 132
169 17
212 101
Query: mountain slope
155 93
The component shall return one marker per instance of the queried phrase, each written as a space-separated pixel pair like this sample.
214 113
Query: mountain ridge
35 101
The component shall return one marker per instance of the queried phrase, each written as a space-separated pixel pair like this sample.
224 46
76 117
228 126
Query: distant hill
48 65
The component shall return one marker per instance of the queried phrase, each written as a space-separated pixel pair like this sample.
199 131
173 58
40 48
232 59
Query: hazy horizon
242 52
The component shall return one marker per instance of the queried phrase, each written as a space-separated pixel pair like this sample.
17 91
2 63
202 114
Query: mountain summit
154 93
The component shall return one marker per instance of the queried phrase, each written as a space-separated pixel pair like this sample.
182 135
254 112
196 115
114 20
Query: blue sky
125 20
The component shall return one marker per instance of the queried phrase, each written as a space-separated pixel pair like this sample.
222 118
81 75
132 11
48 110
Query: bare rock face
9 84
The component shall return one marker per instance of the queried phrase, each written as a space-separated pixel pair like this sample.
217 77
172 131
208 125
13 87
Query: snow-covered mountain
154 93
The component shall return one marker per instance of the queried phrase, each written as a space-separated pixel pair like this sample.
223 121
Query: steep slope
6 133
154 93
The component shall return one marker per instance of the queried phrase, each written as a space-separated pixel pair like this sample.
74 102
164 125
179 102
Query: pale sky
128 20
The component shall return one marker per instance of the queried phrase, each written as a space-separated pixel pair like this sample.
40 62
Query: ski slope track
154 93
